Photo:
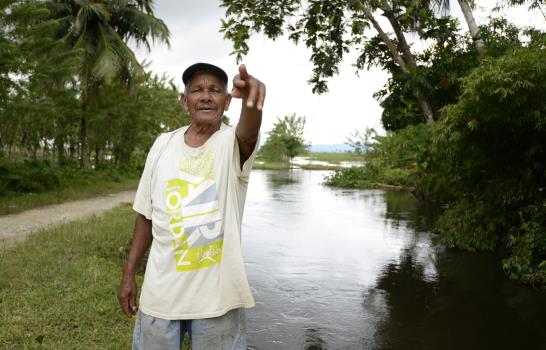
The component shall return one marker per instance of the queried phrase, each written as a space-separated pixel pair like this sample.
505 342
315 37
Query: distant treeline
72 91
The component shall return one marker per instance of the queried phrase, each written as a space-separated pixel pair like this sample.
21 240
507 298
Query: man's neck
198 134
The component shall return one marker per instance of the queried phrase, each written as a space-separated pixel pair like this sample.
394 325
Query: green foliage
69 73
285 140
39 176
488 161
98 32
330 29
29 176
528 246
420 83
65 90
471 225
359 141
443 65
395 159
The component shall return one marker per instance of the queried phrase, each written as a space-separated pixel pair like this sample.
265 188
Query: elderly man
189 206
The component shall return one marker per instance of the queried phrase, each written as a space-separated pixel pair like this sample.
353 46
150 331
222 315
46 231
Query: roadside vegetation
35 184
78 112
465 116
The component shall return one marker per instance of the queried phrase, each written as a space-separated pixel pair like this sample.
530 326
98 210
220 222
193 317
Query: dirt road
17 226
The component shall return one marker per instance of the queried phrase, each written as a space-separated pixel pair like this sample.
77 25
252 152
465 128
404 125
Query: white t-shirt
195 199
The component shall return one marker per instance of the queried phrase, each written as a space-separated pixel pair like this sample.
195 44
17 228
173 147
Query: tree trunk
71 149
403 62
392 48
402 42
59 146
97 151
424 103
472 26
84 162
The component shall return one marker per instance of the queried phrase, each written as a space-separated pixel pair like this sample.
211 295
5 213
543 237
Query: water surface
359 269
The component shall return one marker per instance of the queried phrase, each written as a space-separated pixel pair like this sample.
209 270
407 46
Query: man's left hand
250 89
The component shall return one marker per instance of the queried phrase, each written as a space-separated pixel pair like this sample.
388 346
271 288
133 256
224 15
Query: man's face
205 99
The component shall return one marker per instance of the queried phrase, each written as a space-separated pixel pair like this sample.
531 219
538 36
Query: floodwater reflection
351 269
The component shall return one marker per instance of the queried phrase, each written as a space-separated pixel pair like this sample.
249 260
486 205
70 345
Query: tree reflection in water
464 303
468 306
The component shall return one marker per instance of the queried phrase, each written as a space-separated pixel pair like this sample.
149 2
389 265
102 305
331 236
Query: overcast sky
284 68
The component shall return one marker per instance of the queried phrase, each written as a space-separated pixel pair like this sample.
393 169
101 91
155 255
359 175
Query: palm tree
100 30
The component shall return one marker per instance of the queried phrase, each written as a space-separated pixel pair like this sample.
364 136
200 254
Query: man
189 206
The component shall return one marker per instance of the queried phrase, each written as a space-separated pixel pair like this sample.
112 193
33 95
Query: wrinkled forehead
206 78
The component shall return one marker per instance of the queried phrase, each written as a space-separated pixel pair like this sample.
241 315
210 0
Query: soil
15 227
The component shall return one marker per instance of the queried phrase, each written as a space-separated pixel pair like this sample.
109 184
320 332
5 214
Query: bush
394 159
488 162
41 176
29 176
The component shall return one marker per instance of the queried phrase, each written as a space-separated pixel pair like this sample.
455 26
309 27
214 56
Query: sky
284 68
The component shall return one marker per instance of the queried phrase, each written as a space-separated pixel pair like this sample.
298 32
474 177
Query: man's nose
206 95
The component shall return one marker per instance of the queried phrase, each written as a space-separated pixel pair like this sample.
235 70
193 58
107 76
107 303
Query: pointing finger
261 97
243 74
252 94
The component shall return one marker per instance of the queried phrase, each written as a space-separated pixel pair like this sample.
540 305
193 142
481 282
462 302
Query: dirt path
17 226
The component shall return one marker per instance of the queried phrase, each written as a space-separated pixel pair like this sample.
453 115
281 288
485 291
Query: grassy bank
393 161
265 165
90 185
333 160
58 288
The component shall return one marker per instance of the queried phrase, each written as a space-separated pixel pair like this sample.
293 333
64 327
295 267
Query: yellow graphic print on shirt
195 219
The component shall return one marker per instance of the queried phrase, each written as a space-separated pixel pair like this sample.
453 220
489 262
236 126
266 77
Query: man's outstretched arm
142 238
252 92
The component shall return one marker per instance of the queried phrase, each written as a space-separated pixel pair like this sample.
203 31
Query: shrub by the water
394 159
488 162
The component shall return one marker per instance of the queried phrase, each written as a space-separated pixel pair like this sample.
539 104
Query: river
359 269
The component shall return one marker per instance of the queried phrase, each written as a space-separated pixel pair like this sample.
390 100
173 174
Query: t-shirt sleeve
143 197
247 166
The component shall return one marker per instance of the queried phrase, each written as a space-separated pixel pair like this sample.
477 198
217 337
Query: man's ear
184 102
228 101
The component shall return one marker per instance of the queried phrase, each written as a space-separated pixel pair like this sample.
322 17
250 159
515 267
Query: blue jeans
225 332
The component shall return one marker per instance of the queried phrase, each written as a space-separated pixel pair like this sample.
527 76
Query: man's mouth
206 108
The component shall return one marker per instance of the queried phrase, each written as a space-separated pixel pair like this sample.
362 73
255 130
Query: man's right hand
127 294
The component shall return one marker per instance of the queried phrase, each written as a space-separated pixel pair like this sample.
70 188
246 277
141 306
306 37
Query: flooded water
358 269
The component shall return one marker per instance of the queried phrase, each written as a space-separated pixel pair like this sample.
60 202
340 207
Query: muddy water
353 269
